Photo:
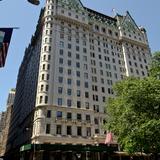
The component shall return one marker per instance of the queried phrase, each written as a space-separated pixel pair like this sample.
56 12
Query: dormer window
97 27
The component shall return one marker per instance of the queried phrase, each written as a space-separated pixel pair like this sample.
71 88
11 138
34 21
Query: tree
134 114
155 65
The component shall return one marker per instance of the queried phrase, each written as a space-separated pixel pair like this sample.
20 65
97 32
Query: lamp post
35 2
97 144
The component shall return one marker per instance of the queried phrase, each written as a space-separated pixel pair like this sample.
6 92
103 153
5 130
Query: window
100 64
110 32
69 71
87 105
79 117
69 38
78 93
69 46
141 66
103 30
78 73
48 67
79 131
69 54
46 99
84 43
42 87
137 71
96 108
59 114
61 52
143 74
86 84
85 75
103 89
69 130
115 75
49 48
69 63
69 115
94 79
94 88
102 80
130 63
86 95
78 82
108 66
88 131
69 92
47 77
77 48
77 56
85 66
77 64
69 102
60 70
96 28
88 118
59 101
135 64
40 99
95 97
134 57
109 82
96 121
84 50
96 131
103 99
60 90
43 67
59 129
60 79
42 76
131 70
48 113
101 72
61 35
77 40
61 44
78 104
61 61
69 81
48 128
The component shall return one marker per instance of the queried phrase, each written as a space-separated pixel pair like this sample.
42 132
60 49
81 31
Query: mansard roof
100 17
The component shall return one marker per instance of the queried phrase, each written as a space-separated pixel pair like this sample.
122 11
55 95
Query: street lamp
35 2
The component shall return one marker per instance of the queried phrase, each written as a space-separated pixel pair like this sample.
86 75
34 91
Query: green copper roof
76 4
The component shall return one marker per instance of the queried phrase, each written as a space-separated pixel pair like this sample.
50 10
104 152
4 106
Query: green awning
69 147
26 147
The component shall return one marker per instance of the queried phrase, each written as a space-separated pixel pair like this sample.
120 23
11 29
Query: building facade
2 120
5 122
89 53
68 70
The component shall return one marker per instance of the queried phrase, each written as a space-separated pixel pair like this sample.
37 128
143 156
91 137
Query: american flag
109 138
5 37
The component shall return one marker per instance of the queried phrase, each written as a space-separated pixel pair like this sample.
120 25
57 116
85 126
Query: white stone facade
83 54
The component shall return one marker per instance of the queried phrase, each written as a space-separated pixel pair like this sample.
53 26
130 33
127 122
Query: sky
20 13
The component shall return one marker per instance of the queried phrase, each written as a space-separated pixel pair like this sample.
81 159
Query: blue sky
19 13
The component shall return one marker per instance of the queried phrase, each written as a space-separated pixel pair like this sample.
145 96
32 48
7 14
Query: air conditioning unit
35 2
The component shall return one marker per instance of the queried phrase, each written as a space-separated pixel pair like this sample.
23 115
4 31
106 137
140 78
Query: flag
109 138
5 37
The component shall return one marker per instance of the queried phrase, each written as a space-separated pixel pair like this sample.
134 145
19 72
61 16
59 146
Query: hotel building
67 73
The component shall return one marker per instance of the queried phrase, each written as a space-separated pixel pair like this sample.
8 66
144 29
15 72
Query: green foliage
155 65
134 114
